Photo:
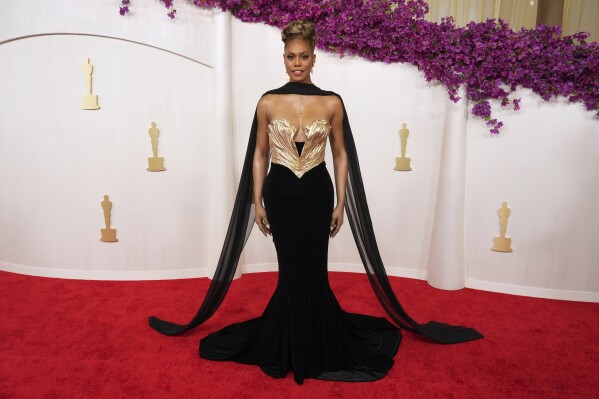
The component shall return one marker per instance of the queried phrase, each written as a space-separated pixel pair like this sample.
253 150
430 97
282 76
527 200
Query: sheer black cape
356 207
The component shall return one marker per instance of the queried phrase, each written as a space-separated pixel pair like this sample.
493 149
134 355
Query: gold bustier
283 150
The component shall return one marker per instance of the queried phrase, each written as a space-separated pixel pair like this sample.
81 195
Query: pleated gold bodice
283 150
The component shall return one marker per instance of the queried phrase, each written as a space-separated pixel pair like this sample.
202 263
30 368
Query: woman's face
299 60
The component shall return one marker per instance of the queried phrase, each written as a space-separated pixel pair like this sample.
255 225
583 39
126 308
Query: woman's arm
260 166
340 165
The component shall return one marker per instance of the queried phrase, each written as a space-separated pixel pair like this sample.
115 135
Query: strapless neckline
306 127
286 151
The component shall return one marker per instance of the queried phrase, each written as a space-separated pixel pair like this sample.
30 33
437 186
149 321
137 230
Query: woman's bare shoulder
333 103
265 102
267 98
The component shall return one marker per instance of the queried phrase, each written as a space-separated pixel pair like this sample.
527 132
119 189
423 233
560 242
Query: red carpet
90 339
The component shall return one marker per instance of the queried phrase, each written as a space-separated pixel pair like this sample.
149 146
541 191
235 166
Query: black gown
303 328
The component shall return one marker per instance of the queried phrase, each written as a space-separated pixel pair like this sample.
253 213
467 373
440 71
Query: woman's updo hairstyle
302 29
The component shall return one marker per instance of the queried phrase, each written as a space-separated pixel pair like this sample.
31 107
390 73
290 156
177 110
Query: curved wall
189 35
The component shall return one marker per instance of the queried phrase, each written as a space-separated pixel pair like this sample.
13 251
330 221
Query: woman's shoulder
332 102
264 103
334 99
266 100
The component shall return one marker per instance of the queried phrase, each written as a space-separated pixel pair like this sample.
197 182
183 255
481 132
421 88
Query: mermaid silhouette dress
303 328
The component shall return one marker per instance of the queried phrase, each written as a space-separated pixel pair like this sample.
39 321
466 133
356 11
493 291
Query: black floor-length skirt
303 329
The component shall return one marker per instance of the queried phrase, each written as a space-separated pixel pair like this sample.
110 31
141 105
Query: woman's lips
297 72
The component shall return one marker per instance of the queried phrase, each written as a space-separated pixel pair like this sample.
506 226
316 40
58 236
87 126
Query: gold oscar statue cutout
90 101
108 234
155 163
503 243
402 163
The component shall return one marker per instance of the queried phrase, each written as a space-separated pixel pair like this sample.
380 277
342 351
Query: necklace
299 106
299 109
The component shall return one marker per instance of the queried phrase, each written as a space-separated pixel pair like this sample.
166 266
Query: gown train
314 337
303 328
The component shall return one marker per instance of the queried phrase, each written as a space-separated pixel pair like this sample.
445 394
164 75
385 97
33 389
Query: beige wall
572 15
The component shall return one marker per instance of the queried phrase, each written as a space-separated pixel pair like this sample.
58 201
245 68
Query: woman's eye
305 57
289 57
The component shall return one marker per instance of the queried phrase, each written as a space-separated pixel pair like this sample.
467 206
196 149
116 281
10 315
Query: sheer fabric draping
358 215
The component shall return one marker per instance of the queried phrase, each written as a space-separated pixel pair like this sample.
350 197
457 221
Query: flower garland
489 58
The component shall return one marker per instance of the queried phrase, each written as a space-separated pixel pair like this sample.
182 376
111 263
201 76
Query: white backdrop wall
56 160
545 163
378 98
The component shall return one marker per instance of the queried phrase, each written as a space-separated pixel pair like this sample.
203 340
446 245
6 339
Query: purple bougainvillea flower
516 104
488 58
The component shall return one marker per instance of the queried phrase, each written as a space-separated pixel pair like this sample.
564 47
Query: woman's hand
262 221
336 221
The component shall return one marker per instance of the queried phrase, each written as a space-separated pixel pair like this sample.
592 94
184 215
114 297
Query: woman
303 328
